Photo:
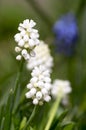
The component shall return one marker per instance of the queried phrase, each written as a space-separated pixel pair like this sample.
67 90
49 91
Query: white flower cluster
60 86
39 86
42 57
27 39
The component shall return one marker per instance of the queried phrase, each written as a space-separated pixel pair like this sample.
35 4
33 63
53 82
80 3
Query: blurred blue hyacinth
66 32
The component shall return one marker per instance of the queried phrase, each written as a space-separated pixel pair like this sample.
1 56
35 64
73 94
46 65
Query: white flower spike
39 86
27 39
42 57
60 86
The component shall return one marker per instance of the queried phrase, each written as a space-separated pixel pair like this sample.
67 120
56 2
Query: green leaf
40 116
69 126
58 120
17 98
62 116
8 112
30 128
2 113
23 123
58 127
2 124
31 117
12 126
2 116
16 120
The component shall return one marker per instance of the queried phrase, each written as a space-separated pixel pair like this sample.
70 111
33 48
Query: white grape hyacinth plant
39 86
42 57
60 87
27 39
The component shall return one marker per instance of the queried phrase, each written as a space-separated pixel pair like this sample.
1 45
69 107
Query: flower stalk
17 83
18 76
53 111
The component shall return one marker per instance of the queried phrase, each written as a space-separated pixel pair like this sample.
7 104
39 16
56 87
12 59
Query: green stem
30 118
53 112
18 77
17 83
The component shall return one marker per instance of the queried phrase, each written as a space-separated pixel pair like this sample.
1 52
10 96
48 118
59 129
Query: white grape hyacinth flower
42 57
27 39
39 86
62 87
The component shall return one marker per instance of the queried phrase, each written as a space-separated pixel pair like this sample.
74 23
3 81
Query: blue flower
66 31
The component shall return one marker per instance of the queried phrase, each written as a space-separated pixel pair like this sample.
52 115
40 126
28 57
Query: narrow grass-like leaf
8 113
58 119
30 118
62 116
16 120
69 126
2 123
17 87
12 126
53 111
23 123
2 113
58 127
30 128
16 102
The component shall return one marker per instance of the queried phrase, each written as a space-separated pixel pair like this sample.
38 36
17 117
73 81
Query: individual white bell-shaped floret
18 57
44 91
35 101
29 86
17 37
47 98
28 95
33 91
21 43
38 95
17 49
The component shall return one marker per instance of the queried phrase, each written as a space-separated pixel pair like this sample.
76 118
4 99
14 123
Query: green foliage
68 126
23 123
6 118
